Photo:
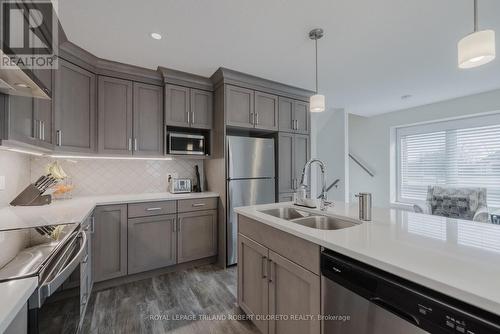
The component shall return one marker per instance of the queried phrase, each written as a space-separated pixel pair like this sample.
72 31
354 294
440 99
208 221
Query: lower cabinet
151 243
196 235
270 284
110 242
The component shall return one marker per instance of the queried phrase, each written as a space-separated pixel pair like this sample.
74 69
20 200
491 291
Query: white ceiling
373 52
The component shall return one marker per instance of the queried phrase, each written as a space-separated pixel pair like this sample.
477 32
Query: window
458 153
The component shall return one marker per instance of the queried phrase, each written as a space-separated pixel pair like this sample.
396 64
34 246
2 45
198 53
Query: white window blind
458 153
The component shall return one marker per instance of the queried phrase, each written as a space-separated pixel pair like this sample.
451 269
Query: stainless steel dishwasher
360 299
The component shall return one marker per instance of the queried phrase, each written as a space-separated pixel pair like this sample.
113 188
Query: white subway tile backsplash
101 176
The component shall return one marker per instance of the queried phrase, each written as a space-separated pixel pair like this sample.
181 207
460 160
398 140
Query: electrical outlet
2 182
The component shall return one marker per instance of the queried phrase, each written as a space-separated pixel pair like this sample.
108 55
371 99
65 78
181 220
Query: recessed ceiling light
406 97
155 35
22 85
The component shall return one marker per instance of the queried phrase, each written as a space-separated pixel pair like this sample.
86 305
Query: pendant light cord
316 47
476 25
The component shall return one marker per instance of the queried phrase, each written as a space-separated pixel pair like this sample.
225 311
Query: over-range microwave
186 143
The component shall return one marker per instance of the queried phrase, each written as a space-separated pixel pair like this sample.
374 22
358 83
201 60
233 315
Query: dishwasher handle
400 313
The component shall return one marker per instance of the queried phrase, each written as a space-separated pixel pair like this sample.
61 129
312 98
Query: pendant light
477 48
317 101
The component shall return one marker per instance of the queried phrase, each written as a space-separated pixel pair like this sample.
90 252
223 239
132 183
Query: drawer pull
153 209
198 204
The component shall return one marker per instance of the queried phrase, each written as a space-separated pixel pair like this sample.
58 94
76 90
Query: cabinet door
115 116
240 106
286 114
196 235
301 154
177 106
286 170
302 117
75 105
21 123
201 109
148 119
266 111
43 109
151 243
110 242
253 286
293 291
286 197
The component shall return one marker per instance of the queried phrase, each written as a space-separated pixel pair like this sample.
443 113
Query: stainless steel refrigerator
251 181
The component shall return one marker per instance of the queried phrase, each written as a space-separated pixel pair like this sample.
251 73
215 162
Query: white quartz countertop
456 257
14 295
76 210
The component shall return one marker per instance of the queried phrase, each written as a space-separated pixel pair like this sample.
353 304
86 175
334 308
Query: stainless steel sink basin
323 223
287 213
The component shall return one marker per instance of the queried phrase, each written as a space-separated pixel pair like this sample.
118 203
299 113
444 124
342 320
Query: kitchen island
454 257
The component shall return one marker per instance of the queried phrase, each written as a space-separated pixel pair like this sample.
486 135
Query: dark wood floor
151 305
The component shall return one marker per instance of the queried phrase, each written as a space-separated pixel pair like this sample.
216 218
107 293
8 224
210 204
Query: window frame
464 122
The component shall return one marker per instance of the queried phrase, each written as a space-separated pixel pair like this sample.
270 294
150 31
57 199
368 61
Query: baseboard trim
103 285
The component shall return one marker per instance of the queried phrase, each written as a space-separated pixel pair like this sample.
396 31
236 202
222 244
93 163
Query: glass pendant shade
317 103
476 49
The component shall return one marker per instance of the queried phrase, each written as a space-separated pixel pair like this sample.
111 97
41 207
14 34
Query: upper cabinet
251 109
294 116
74 108
115 116
188 107
130 117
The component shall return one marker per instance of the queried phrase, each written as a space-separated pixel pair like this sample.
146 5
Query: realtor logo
29 36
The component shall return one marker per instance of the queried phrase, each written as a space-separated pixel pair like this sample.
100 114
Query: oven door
54 309
179 143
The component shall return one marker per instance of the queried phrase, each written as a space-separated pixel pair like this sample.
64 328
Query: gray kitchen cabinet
286 197
177 109
301 154
286 115
293 152
201 106
286 171
148 119
294 116
151 243
293 291
266 111
302 117
196 235
240 106
253 286
43 111
188 107
115 116
20 124
109 245
74 108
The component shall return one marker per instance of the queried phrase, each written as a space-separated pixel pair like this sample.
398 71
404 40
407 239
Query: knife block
31 196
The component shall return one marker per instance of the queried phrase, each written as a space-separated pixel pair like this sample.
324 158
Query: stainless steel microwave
185 143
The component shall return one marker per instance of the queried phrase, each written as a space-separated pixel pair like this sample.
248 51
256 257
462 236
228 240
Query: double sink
309 219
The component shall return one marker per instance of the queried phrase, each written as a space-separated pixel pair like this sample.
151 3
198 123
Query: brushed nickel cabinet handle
257 118
135 144
264 267
43 130
198 204
252 118
271 271
59 137
192 117
40 130
153 209
130 144
174 227
189 117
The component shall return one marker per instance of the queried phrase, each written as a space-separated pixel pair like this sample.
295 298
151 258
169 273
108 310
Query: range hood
17 81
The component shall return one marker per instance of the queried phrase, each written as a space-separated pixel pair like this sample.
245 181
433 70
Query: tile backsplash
102 176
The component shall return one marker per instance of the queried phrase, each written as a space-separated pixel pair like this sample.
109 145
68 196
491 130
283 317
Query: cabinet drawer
151 209
197 204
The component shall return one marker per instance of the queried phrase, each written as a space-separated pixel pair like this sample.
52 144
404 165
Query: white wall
329 142
15 167
369 138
